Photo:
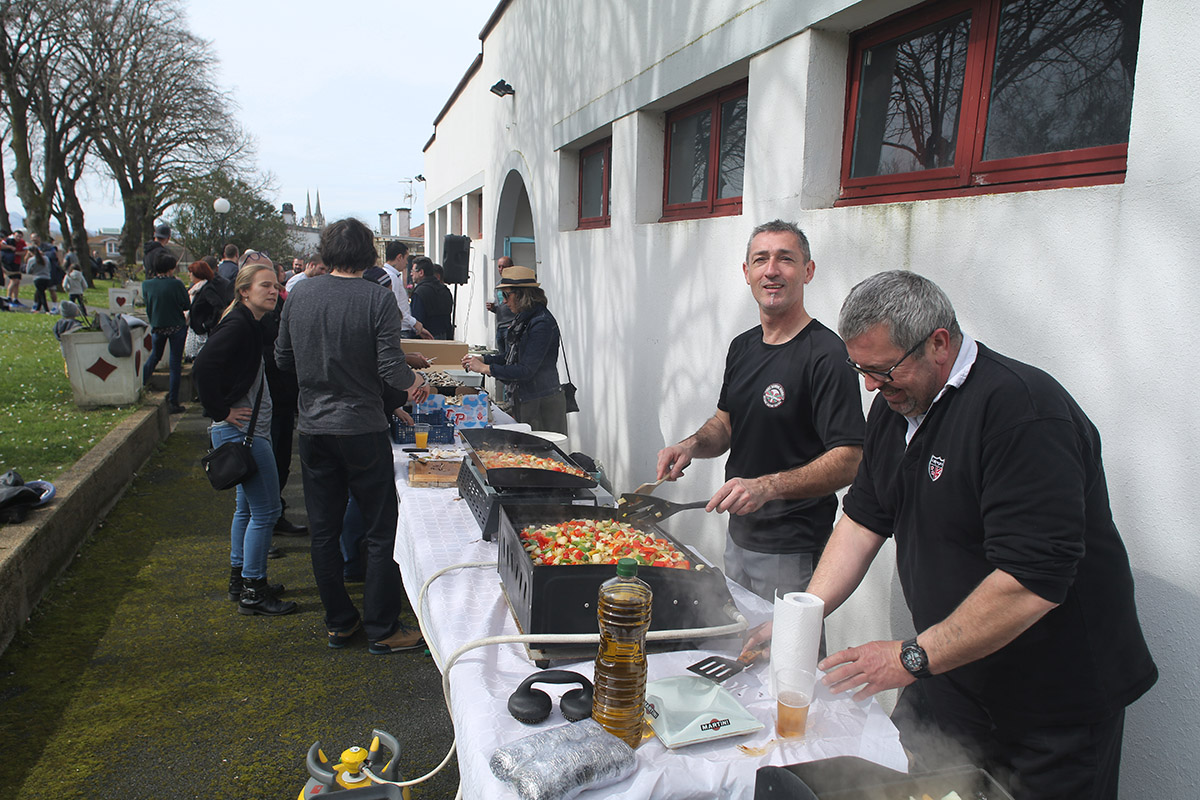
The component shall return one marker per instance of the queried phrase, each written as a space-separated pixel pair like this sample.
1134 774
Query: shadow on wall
1160 728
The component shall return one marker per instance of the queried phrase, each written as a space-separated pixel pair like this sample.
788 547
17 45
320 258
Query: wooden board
433 474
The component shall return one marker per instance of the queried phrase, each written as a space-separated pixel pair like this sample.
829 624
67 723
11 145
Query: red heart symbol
120 301
149 342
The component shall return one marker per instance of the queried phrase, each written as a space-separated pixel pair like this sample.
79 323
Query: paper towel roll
796 636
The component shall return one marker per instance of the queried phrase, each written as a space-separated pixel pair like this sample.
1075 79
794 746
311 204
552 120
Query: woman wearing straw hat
530 364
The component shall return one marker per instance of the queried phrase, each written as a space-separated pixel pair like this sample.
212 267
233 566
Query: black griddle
562 599
512 478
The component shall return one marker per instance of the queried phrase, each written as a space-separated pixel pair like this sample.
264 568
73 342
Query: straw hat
518 278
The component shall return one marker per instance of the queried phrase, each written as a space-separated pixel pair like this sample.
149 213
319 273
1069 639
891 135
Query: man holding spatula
790 416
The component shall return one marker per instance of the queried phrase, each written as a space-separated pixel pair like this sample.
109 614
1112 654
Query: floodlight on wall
501 88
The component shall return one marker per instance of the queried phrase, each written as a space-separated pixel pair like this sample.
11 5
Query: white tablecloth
437 529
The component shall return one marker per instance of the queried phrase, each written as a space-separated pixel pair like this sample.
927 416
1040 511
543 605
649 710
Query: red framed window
962 97
706 155
595 162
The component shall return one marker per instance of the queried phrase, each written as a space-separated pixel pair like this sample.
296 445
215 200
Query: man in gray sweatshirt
341 336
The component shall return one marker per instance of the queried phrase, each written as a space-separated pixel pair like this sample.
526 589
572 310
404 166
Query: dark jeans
1038 763
40 285
334 468
177 339
283 425
545 413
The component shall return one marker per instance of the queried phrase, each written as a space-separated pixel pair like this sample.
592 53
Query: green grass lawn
42 431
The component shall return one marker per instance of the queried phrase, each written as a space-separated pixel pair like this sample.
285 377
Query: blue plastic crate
440 431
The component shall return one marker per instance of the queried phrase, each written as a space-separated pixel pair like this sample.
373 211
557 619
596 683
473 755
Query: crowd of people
39 261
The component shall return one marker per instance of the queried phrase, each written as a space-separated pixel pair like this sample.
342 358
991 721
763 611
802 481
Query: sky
339 97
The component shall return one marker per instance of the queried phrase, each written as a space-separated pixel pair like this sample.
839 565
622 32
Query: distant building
305 233
403 233
107 244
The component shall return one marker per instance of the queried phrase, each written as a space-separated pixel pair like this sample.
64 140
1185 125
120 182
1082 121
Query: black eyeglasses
885 376
254 255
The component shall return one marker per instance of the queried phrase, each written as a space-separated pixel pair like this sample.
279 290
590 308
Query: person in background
230 374
74 283
312 268
228 268
341 335
530 366
988 476
37 266
396 256
167 304
432 304
207 305
54 274
286 394
156 247
790 416
12 257
504 317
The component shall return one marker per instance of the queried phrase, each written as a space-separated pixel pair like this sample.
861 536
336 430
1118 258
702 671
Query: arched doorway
514 223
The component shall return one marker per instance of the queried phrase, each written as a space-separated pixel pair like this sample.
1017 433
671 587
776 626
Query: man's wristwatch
915 659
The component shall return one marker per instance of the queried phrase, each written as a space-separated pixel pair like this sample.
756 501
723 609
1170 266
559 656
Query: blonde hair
244 280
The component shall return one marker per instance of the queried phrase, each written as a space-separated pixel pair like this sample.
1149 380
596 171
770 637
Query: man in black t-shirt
988 476
790 415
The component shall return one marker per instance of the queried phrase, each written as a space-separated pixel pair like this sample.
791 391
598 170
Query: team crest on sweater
936 463
774 395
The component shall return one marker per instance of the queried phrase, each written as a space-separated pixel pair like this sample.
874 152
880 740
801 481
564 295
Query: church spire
308 209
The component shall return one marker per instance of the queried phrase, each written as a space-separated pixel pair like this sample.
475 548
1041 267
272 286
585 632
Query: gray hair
910 305
779 226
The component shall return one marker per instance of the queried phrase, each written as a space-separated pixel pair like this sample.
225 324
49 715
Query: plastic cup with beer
793 694
421 435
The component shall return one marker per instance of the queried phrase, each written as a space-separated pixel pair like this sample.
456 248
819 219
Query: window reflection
689 158
909 100
1063 77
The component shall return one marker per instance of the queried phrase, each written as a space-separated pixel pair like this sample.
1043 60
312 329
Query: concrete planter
97 377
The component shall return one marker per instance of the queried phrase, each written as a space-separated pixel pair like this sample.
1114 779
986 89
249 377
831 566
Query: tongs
644 508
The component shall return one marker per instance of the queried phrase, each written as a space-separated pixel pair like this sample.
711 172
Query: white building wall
1094 284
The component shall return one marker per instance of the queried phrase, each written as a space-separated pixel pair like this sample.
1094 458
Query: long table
436 530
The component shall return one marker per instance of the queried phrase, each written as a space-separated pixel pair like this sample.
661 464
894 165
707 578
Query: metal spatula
644 508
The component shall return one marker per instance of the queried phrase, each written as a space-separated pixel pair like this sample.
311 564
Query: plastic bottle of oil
624 617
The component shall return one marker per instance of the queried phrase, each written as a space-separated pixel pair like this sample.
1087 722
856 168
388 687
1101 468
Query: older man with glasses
988 476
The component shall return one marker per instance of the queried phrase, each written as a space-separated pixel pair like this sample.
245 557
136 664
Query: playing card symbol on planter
936 463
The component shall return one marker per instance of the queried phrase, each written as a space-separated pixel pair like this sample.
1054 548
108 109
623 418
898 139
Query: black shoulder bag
568 387
233 462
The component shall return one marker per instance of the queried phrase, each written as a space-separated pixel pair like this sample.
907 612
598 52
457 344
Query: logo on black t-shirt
774 395
936 463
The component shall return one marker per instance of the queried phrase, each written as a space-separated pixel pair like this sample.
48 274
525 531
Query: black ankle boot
257 599
235 585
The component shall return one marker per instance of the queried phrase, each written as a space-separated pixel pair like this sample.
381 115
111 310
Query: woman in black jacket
230 376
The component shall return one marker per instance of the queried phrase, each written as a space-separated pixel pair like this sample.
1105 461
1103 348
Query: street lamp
221 206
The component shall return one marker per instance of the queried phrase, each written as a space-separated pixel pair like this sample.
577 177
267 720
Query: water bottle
624 617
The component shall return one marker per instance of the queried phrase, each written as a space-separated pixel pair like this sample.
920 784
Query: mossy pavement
136 678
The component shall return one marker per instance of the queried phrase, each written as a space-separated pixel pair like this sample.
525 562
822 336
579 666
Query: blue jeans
177 339
334 468
257 505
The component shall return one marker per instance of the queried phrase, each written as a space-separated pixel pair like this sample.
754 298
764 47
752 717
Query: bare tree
160 118
28 50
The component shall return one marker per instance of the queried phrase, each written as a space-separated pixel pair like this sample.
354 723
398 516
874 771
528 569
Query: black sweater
1005 473
229 362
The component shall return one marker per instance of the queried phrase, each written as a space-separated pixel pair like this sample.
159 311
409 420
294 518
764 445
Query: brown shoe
339 639
403 640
